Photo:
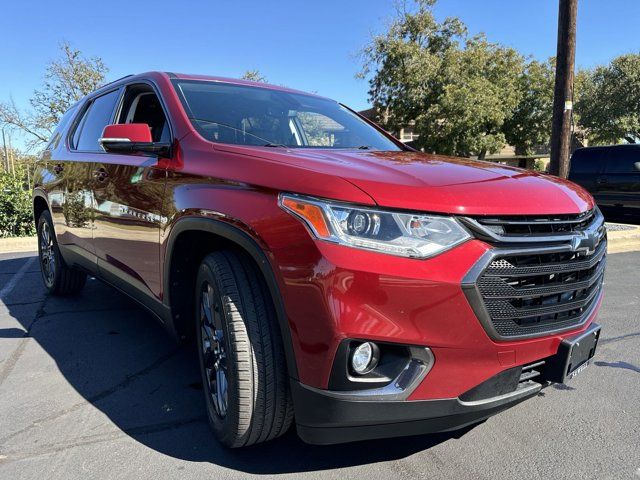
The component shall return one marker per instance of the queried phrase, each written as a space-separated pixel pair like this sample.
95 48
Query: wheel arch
40 204
212 234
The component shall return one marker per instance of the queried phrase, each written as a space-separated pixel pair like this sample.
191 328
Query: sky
308 45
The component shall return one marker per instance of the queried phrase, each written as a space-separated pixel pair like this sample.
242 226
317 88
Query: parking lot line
6 290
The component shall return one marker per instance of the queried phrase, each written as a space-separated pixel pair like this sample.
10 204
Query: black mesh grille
543 275
526 294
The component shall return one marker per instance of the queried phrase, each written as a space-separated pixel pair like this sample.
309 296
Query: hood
434 183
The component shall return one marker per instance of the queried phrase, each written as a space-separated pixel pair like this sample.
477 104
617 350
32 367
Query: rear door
620 184
76 200
128 192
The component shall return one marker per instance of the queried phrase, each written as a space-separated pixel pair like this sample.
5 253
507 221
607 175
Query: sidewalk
622 238
18 244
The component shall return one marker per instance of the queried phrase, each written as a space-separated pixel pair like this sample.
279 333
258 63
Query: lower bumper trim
323 419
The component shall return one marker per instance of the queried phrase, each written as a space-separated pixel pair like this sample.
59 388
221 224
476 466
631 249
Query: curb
18 244
627 240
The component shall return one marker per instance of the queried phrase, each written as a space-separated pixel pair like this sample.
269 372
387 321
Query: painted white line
6 290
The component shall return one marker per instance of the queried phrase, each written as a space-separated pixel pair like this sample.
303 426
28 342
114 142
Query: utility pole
4 145
563 92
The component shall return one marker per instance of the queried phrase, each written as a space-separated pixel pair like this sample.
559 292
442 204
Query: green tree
254 76
66 80
529 126
459 90
608 101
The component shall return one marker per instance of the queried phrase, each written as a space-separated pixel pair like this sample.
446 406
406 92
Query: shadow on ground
119 358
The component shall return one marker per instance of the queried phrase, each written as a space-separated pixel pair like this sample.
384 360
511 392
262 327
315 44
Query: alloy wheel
213 349
47 254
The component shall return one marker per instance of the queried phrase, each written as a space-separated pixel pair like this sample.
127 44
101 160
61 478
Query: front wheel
242 360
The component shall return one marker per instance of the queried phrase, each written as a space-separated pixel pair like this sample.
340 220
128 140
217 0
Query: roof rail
117 80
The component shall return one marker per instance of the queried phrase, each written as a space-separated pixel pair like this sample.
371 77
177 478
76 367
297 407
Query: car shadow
619 364
119 358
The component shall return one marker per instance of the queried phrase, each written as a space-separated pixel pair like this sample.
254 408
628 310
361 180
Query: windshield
244 115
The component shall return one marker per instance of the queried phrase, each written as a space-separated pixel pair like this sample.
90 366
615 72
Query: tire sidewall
224 428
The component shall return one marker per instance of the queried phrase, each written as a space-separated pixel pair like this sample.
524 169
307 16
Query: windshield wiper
364 147
279 145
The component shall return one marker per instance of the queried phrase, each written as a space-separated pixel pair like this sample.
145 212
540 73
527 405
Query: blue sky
309 45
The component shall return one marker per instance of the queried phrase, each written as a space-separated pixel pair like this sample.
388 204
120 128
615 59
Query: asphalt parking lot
92 387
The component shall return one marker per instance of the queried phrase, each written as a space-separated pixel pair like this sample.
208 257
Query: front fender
244 238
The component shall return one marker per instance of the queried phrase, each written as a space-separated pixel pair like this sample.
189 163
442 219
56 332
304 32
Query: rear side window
54 141
587 161
622 160
95 118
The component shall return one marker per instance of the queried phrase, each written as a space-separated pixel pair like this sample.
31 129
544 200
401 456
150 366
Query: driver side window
142 105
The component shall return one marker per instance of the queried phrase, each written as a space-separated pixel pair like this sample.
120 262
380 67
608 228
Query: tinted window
54 141
586 161
238 114
95 118
622 160
142 105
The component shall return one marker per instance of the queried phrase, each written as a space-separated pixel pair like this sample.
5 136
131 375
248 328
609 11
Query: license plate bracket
574 354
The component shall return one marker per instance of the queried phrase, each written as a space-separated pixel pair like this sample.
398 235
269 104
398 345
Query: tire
58 278
237 334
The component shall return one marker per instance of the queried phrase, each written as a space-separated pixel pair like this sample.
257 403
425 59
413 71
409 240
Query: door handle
58 168
602 180
100 174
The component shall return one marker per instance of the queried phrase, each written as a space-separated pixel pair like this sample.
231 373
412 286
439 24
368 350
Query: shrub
16 214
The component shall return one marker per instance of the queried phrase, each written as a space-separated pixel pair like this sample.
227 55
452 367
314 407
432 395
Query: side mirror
129 138
636 166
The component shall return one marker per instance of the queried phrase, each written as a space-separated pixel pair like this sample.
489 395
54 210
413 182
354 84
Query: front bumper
325 418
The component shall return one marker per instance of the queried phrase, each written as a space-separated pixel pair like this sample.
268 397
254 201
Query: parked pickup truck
327 274
612 175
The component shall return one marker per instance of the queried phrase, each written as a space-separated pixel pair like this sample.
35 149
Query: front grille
547 225
525 293
540 285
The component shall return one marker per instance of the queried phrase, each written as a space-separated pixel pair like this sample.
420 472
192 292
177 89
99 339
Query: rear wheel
241 355
58 278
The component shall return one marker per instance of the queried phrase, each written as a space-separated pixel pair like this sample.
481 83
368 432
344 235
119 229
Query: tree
459 90
608 101
66 80
529 126
254 76
16 204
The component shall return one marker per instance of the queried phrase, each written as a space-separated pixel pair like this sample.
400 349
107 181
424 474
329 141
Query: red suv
327 273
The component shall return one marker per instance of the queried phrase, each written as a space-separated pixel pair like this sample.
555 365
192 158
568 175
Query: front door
128 193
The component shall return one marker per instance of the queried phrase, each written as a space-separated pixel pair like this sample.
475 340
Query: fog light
365 358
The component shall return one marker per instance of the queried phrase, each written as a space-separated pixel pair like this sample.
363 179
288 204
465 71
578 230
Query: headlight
395 233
